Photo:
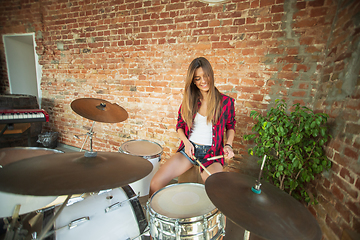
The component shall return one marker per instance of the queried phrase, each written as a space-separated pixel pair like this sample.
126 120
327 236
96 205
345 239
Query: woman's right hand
189 149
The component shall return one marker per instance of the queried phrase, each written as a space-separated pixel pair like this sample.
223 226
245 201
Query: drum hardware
74 200
90 133
256 188
71 225
119 204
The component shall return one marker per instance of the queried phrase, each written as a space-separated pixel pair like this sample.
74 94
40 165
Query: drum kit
31 178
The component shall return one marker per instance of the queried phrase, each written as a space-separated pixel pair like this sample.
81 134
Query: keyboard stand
16 129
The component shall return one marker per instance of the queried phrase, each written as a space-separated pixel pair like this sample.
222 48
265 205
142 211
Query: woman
203 117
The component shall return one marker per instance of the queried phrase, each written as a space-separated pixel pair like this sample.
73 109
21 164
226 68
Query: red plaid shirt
226 121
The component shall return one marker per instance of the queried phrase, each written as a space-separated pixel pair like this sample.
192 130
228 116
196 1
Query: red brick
242 5
277 17
254 28
337 193
272 26
203 31
175 6
305 23
264 3
344 173
239 21
316 3
221 45
250 20
354 207
277 8
354 154
316 12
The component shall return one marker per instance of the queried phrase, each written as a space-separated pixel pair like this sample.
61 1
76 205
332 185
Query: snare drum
28 203
107 215
146 149
184 211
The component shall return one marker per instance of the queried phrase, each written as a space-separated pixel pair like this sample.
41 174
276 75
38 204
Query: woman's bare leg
213 168
173 167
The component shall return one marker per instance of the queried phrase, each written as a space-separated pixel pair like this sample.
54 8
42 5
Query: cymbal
273 214
99 110
72 173
10 200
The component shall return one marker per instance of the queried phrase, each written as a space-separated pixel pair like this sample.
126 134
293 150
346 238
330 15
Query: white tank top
201 131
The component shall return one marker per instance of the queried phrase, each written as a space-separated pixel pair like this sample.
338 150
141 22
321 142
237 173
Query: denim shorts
199 152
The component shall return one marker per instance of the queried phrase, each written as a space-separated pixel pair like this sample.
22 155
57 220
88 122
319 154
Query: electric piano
9 116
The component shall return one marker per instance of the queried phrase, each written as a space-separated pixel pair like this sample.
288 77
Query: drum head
141 148
184 200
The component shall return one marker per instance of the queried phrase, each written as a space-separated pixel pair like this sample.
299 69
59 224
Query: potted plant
292 142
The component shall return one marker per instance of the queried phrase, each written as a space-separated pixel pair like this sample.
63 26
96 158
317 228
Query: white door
22 64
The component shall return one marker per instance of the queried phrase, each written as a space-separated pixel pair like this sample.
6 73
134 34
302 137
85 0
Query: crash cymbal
272 214
28 203
72 173
99 110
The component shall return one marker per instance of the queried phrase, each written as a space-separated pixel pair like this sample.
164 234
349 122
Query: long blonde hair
192 94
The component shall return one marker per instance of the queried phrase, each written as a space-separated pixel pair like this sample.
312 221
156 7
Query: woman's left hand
228 152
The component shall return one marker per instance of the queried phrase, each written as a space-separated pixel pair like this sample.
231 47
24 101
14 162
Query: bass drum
109 215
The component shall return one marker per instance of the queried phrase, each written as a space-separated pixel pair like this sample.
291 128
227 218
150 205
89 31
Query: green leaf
280 168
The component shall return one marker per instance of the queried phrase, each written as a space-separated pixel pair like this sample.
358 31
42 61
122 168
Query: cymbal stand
256 189
89 134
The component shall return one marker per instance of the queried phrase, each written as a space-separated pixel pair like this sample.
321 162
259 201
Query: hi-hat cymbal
99 110
272 214
72 173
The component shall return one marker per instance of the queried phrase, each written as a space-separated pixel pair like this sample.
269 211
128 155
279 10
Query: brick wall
136 53
339 96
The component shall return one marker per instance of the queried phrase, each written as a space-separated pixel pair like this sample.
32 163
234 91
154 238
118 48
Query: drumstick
215 157
207 171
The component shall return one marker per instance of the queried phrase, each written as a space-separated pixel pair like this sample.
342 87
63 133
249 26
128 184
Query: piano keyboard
23 116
